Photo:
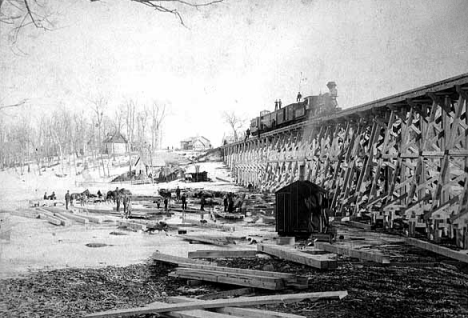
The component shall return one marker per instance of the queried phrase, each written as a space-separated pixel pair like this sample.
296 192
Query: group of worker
50 197
119 198
126 201
228 202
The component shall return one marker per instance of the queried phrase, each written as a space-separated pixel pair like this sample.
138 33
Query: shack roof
117 138
303 187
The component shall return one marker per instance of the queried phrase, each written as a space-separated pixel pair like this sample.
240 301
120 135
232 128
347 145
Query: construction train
307 108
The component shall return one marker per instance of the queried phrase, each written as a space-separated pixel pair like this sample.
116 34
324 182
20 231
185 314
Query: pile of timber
221 308
326 261
166 258
240 277
223 254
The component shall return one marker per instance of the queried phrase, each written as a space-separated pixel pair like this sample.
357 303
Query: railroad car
309 107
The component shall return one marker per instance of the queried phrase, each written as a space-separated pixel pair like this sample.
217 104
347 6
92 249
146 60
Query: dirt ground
374 291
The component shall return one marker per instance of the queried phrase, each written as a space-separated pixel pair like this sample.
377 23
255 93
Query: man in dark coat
67 199
166 202
184 202
225 201
231 205
117 198
202 203
126 205
177 191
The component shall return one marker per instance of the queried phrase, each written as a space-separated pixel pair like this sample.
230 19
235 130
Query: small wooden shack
300 209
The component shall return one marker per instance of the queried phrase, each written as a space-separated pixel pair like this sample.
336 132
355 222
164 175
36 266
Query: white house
115 144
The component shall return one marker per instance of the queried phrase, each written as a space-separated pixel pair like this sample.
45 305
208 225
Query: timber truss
404 157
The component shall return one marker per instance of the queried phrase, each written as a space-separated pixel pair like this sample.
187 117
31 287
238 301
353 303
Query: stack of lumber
77 217
222 308
46 215
166 258
223 254
240 277
327 261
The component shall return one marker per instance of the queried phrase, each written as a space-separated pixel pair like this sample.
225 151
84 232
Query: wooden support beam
285 276
220 303
223 254
240 279
244 291
237 312
353 252
203 239
293 255
461 256
75 218
166 258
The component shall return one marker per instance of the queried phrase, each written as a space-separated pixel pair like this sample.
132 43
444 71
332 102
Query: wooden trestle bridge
400 157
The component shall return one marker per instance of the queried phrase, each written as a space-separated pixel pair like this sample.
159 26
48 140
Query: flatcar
309 107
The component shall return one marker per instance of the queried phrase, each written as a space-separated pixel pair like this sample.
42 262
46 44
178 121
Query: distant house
115 144
195 143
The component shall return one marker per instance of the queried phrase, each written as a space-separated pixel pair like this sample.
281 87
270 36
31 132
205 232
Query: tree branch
14 105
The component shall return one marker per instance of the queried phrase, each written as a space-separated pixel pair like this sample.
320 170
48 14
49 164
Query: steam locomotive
309 107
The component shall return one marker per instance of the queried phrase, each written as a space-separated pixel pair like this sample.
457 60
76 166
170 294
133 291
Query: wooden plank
50 219
317 261
229 293
220 303
203 240
74 217
238 312
195 313
178 260
460 256
353 252
285 276
132 225
65 221
223 254
271 283
359 225
94 219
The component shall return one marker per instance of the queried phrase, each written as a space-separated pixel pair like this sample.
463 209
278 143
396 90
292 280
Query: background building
195 143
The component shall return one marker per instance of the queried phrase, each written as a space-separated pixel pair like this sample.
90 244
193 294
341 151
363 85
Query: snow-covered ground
36 244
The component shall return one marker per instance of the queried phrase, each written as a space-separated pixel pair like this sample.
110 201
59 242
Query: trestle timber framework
401 157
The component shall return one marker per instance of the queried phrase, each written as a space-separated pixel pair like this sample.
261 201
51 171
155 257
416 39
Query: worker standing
177 191
117 199
67 199
299 97
166 202
202 203
225 201
184 202
126 205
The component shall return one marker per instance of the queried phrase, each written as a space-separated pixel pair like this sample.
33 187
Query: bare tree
19 104
98 105
235 121
20 14
158 113
130 110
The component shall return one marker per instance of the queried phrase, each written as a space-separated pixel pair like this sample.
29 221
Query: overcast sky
239 55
